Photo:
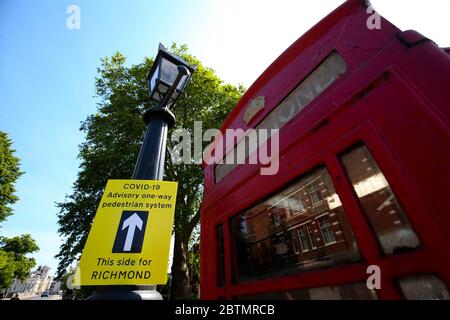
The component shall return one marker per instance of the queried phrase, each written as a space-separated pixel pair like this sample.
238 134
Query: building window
326 230
294 204
299 202
314 193
276 216
384 212
311 237
286 204
303 240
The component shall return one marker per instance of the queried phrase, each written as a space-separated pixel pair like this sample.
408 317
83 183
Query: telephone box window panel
385 214
303 227
352 291
309 89
423 287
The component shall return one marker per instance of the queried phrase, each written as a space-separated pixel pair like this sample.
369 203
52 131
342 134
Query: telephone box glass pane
220 256
380 204
424 287
303 227
309 89
353 291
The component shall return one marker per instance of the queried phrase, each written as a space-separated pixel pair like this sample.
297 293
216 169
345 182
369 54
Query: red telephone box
362 186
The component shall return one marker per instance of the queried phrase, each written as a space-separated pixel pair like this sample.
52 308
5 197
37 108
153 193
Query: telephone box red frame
394 96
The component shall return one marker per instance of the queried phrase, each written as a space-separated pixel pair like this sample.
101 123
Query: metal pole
149 166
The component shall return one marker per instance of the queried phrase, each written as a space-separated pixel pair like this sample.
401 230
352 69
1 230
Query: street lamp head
168 70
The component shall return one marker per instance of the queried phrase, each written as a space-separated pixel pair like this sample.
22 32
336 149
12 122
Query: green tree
13 260
13 251
113 138
9 173
7 268
193 263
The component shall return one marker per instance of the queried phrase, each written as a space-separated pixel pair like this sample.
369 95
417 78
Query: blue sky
47 72
47 87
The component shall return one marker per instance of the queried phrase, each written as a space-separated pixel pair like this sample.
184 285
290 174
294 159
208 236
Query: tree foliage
9 173
7 268
13 260
113 138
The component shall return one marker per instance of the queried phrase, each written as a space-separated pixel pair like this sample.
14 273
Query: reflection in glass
310 237
304 243
314 192
353 291
310 88
290 232
327 231
424 287
385 214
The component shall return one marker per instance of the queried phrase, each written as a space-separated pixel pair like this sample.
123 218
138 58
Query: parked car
44 294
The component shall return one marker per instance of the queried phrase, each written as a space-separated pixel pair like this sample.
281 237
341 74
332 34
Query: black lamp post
167 80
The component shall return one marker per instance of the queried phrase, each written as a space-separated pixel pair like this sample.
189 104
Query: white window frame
311 193
329 231
310 237
300 239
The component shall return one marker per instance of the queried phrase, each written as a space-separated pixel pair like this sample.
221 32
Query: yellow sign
129 240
